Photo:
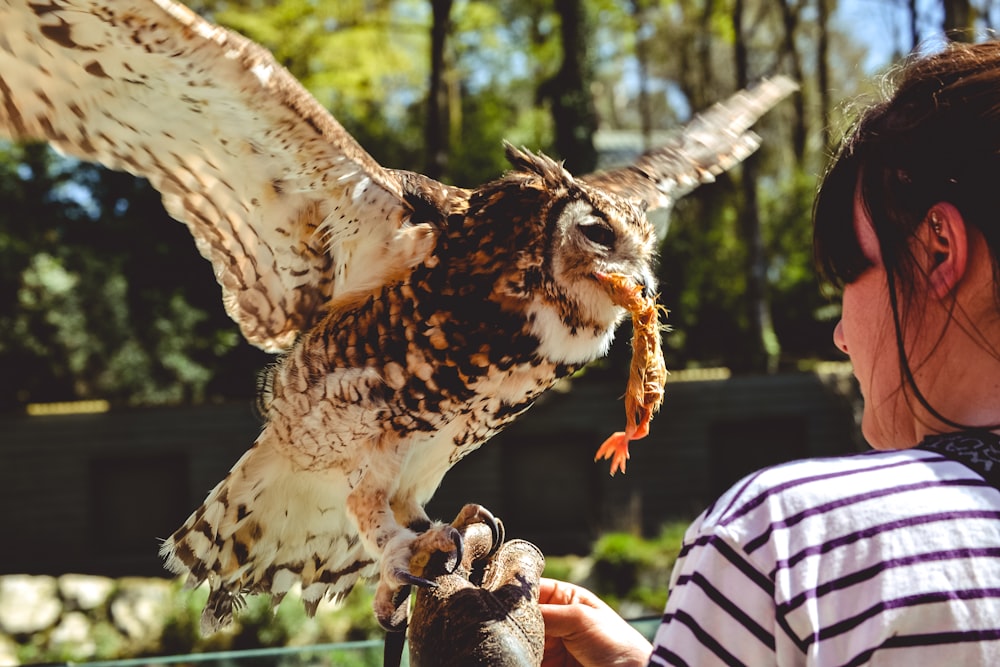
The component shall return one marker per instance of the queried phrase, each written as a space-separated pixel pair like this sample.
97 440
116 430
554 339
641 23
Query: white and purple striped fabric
883 558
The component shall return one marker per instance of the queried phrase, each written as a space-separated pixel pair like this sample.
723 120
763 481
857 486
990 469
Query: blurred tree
438 132
823 71
568 91
104 295
764 347
356 57
637 9
724 268
791 11
914 31
959 20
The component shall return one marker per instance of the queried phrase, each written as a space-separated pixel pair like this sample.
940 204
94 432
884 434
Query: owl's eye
599 233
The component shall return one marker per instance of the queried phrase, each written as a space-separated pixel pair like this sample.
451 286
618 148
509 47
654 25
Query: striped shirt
882 558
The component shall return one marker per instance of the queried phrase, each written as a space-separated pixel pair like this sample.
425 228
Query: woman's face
866 334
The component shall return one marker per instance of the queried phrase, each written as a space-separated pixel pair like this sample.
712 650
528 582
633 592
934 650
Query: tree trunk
823 70
437 130
573 112
763 349
911 10
958 19
790 21
638 8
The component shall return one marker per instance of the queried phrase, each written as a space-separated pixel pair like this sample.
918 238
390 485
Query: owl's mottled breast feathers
456 321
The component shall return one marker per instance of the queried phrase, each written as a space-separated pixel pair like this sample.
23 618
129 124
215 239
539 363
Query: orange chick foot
616 449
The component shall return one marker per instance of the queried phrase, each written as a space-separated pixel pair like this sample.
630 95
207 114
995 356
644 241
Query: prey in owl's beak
648 371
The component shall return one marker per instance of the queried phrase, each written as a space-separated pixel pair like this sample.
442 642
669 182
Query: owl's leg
402 552
409 513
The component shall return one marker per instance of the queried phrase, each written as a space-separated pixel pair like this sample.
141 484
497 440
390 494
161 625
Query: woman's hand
580 629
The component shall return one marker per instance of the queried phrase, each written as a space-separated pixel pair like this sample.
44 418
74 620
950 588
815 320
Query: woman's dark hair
936 139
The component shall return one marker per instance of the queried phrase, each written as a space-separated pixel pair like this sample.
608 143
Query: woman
888 557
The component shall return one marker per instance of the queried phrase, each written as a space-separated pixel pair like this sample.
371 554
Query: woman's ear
944 235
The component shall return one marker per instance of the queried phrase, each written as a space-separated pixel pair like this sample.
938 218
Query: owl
413 319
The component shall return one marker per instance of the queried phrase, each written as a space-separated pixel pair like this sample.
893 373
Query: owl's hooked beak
648 283
644 280
620 285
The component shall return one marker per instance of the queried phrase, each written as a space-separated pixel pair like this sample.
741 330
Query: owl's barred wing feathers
289 209
713 141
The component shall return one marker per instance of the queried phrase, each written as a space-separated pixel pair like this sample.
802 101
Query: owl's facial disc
603 235
595 234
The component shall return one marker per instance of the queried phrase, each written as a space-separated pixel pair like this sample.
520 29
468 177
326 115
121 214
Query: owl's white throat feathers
564 344
588 333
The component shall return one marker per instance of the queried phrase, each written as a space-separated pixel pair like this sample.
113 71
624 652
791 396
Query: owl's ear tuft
539 164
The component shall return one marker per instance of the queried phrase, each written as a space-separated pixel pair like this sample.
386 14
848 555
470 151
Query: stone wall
67 617
82 617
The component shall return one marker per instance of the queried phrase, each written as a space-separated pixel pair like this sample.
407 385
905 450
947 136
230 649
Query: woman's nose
838 337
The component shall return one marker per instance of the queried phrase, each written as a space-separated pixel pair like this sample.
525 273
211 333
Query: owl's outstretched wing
289 209
711 143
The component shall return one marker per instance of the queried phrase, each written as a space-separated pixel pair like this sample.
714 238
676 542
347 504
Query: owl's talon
496 529
438 549
414 580
392 607
407 561
456 538
470 516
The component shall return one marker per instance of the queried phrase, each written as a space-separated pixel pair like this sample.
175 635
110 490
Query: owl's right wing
288 208
712 142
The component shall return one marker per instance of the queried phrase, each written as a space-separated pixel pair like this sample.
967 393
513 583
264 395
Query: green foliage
618 558
103 295
804 316
703 279
107 642
257 625
629 572
351 55
479 155
557 567
632 569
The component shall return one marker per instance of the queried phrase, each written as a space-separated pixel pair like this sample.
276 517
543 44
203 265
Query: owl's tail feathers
267 526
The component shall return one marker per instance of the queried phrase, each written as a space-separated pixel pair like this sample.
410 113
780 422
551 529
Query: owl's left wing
288 208
711 143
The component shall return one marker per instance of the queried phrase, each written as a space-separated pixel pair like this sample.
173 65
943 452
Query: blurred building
94 493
